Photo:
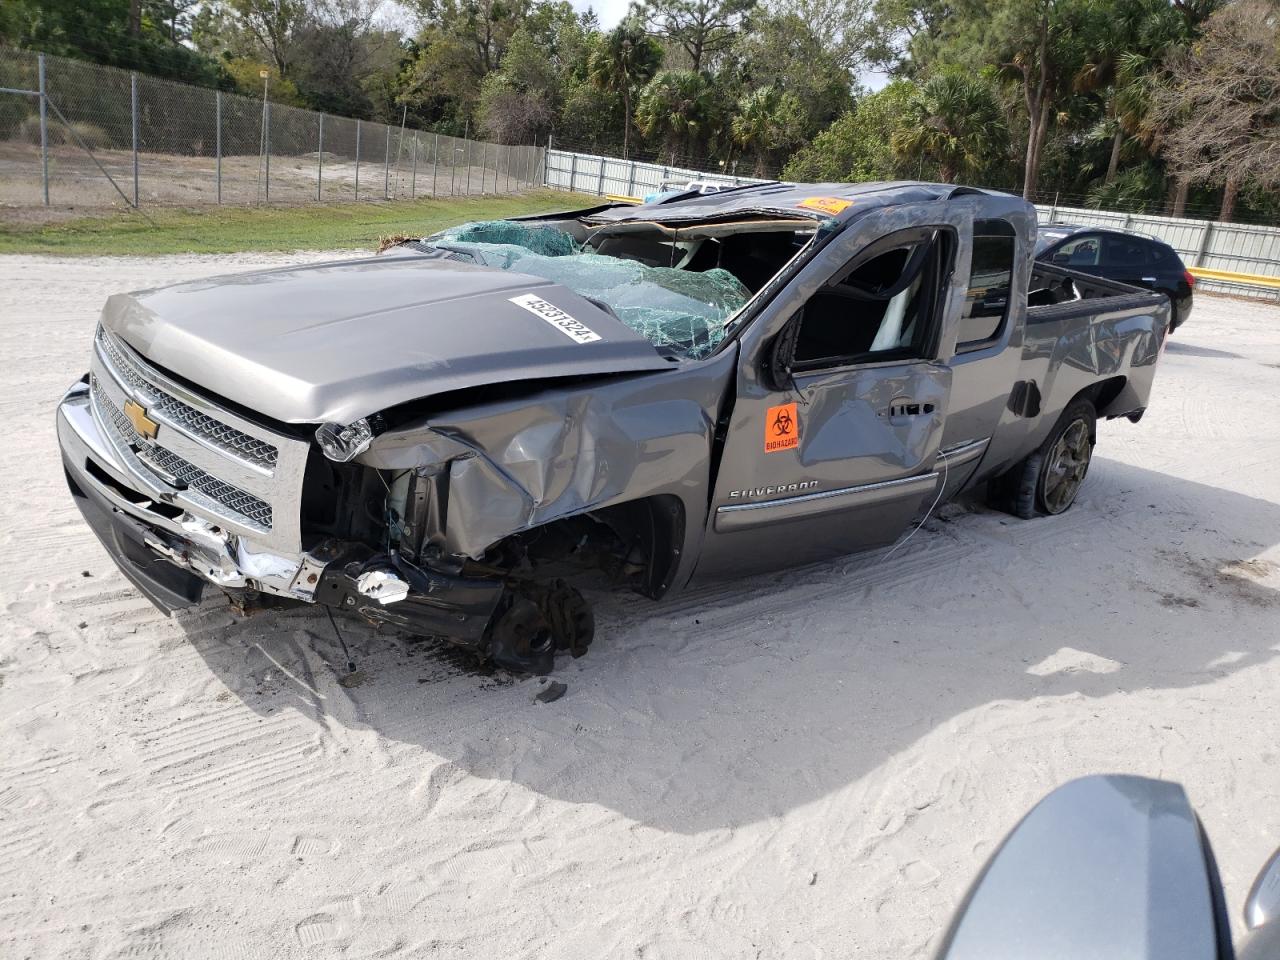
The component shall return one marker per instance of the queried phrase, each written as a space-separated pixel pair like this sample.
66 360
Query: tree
846 31
704 29
1220 107
783 51
342 63
767 122
954 122
1042 45
857 146
518 102
273 23
623 62
675 108
113 32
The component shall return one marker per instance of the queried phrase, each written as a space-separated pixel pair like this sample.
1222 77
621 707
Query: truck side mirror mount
780 354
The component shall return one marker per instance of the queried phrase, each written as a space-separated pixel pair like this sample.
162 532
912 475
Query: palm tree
1129 64
675 107
953 121
767 121
625 60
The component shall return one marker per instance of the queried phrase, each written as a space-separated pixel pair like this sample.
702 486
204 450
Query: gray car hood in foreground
339 341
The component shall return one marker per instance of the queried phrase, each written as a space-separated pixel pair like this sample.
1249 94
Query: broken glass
676 309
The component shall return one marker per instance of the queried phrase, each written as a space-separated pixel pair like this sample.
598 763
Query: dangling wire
942 488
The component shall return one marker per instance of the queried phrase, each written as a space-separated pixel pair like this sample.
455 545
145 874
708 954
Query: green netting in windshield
547 241
668 307
671 308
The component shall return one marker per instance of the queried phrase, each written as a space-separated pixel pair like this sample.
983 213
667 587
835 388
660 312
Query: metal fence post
217 138
467 141
357 159
435 170
453 166
546 162
320 159
573 172
266 144
386 169
133 109
413 179
484 170
1205 237
600 181
44 130
631 180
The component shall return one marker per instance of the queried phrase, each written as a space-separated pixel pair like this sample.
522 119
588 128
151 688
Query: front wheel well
638 543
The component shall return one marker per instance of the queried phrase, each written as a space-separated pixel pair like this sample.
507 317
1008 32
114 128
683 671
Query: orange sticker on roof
781 428
828 205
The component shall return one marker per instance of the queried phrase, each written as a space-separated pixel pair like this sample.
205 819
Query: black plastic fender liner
455 608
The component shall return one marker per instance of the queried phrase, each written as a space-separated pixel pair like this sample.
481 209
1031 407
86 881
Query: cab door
832 443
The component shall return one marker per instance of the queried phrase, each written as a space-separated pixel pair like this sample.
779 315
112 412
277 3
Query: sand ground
813 764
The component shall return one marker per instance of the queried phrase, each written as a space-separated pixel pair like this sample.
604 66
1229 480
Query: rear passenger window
990 277
1126 252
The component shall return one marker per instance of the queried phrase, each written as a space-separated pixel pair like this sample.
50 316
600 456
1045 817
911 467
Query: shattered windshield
676 309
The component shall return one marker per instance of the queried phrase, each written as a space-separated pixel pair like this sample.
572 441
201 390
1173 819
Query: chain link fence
80 134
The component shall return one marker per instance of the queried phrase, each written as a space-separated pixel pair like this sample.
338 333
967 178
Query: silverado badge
137 415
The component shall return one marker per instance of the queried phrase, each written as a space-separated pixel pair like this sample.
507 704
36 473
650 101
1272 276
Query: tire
1049 479
1174 322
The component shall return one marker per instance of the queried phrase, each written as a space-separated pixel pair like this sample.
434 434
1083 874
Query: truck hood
334 342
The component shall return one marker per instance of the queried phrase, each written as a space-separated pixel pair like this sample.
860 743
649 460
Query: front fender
547 454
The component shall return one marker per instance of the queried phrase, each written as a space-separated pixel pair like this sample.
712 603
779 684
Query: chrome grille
220 466
169 466
184 416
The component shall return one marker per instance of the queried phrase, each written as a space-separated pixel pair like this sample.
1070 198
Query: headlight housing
340 443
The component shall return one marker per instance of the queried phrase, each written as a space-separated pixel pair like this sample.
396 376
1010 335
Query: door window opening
883 308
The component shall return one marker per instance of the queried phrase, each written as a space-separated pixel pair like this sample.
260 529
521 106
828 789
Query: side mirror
1263 903
1104 867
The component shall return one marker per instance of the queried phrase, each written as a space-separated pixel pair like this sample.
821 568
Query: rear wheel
1049 480
1066 463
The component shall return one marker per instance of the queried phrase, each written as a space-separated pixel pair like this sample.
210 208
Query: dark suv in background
1126 257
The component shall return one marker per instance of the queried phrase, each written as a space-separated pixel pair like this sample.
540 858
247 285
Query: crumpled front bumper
165 550
170 554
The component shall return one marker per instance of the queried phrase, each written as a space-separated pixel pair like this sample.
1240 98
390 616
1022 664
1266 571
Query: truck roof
840 202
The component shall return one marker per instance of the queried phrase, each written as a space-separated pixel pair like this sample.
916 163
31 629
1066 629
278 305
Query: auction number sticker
827 205
574 329
781 428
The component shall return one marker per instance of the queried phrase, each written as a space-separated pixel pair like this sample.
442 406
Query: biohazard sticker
781 428
828 205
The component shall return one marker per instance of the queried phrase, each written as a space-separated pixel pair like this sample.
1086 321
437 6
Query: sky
610 12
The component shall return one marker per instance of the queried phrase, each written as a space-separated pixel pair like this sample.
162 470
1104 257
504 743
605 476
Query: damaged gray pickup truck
451 438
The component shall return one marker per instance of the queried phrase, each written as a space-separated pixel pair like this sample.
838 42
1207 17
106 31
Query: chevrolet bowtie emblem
137 415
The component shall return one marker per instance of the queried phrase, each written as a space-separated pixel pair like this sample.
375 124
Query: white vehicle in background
681 188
